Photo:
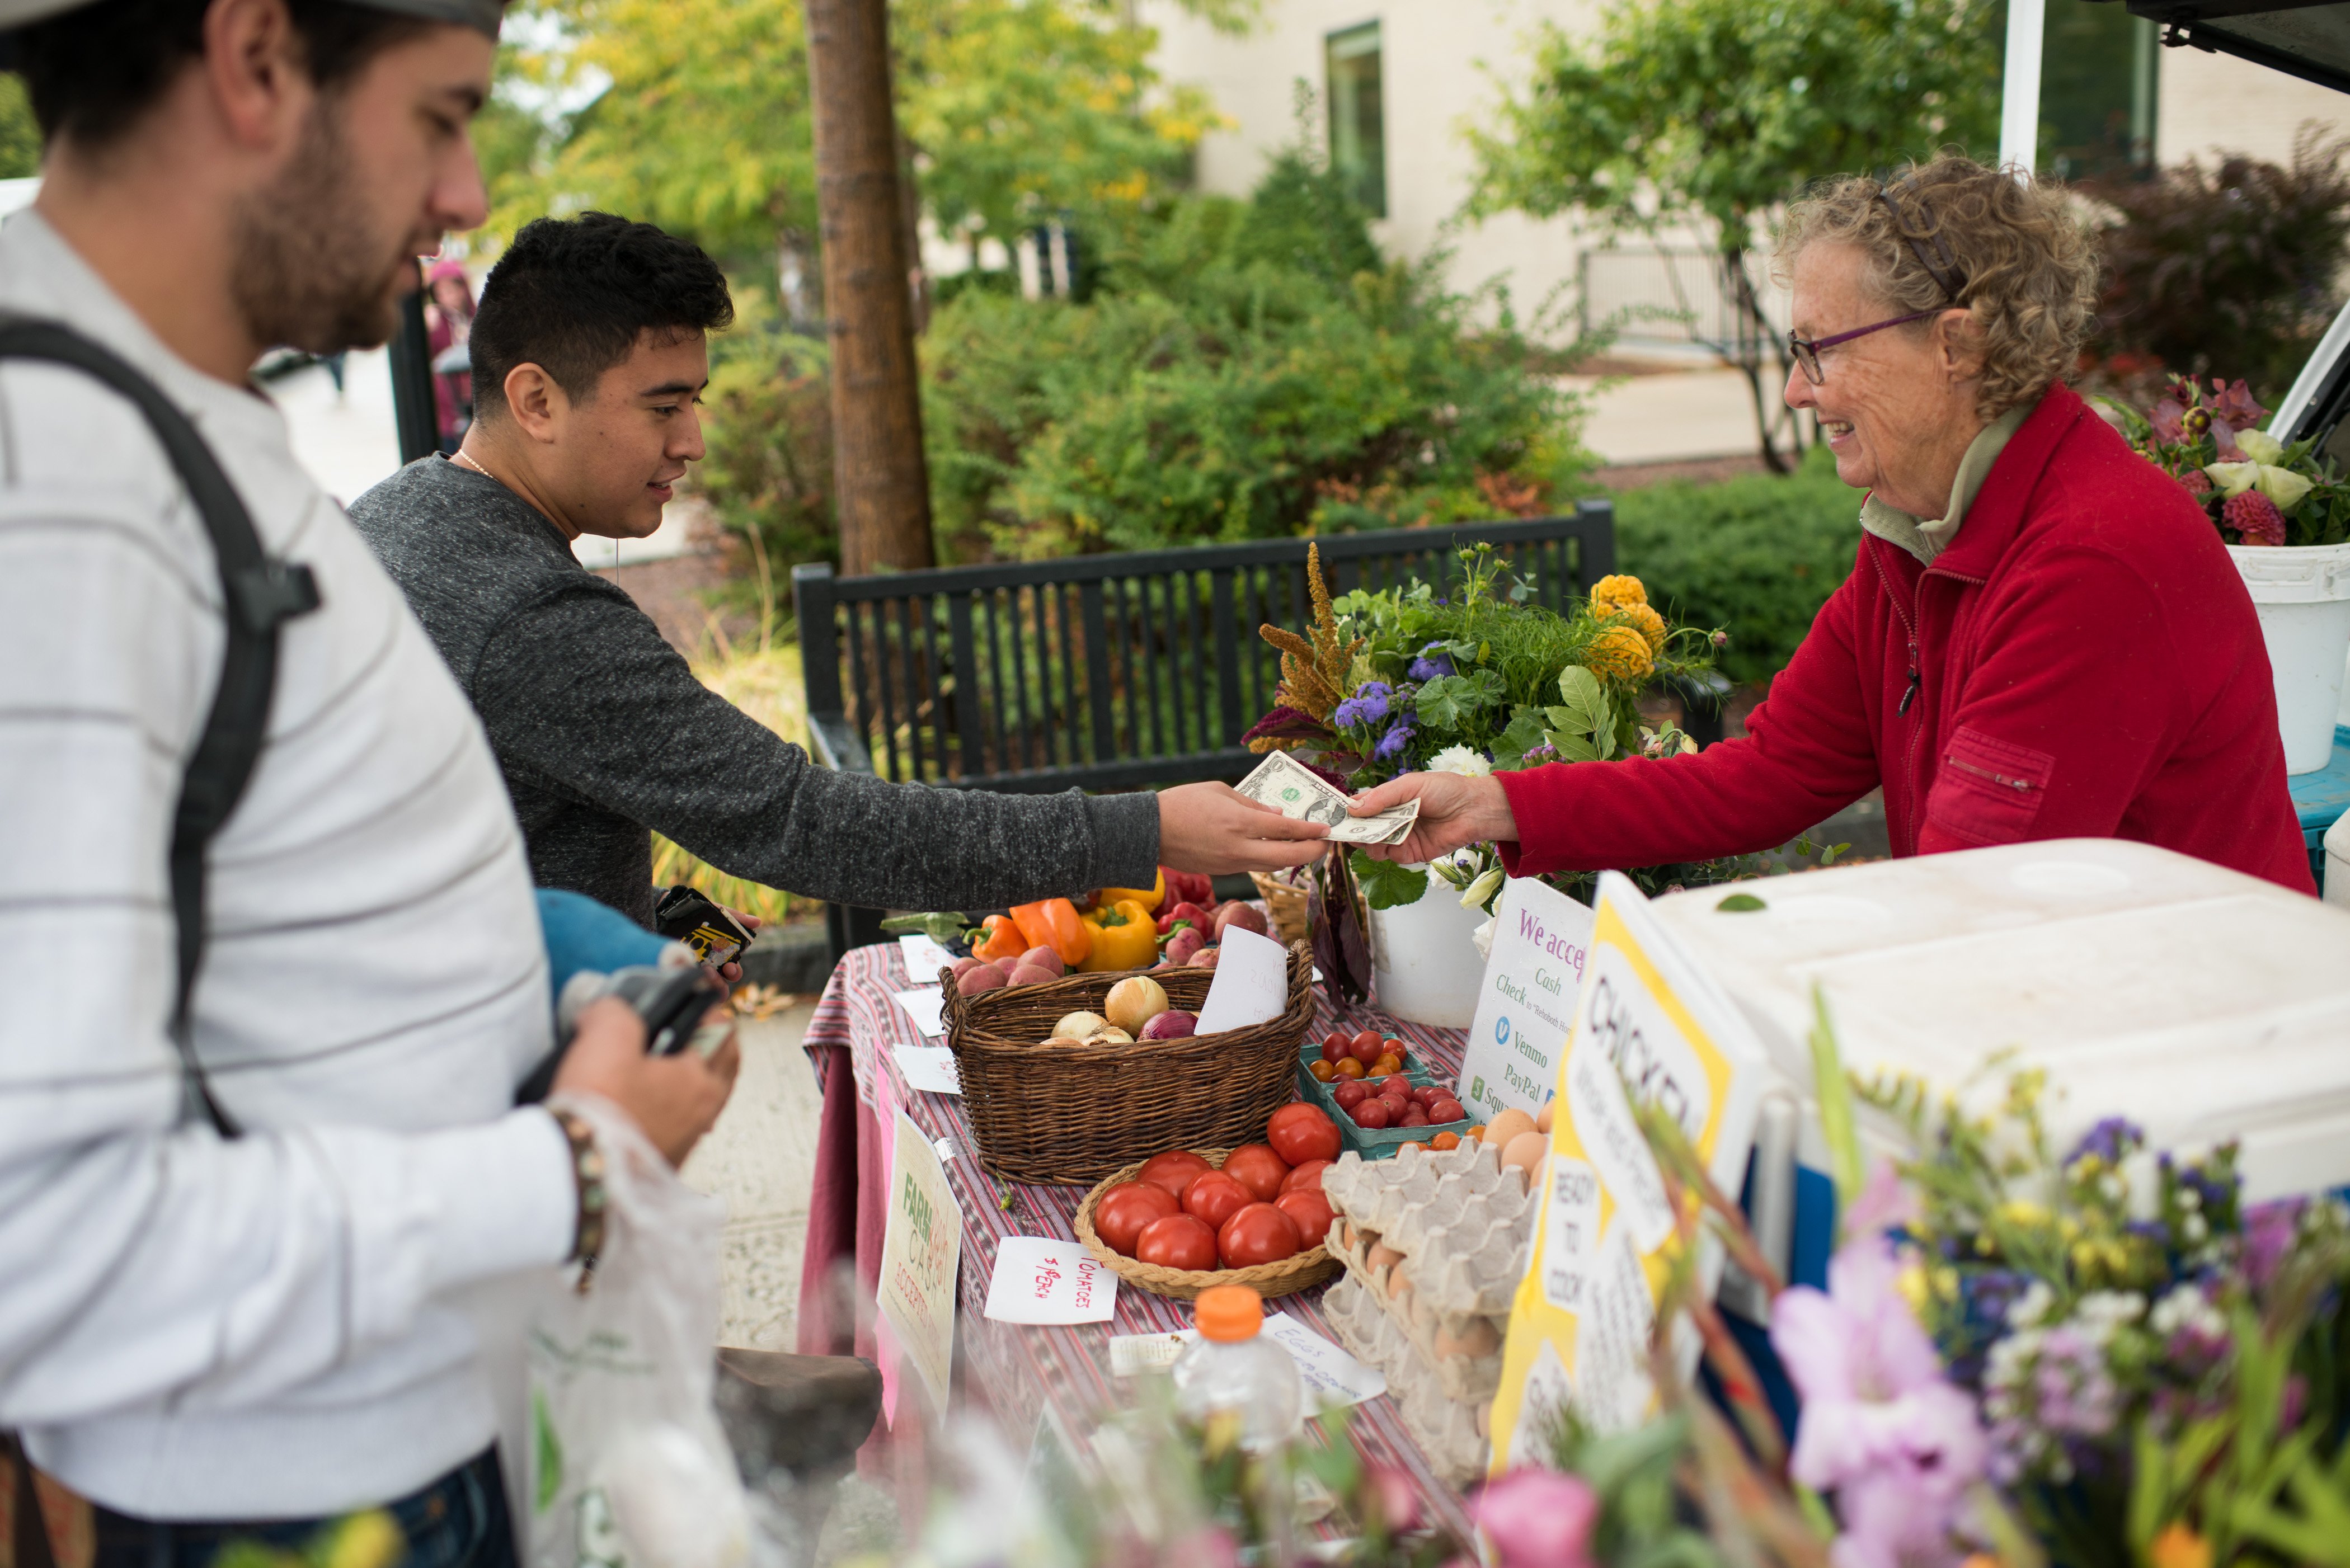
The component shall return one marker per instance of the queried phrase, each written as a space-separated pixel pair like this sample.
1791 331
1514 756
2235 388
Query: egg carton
1452 1346
1451 1432
1463 1220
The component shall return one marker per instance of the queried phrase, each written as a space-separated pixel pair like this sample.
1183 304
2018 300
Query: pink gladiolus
1896 1441
1537 1519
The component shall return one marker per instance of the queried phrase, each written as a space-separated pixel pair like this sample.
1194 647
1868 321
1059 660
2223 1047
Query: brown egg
1525 1152
1507 1125
1476 1338
1543 1117
1382 1256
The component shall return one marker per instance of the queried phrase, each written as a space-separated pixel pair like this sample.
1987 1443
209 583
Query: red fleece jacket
2083 661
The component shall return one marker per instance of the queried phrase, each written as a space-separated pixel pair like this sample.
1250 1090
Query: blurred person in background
448 324
245 1264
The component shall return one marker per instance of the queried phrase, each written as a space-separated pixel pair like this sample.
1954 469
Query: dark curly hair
572 296
93 73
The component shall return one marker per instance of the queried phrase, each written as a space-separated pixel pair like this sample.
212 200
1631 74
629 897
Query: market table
1018 1373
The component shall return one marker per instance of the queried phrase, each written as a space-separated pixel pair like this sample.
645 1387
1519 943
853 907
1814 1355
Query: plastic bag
627 1464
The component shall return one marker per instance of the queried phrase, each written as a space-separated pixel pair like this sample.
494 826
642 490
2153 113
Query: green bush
1756 557
768 473
1244 370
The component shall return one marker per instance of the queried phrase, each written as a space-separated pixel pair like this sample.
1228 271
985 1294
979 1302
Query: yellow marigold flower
1911 1282
2178 1547
1613 593
1647 622
368 1540
1619 653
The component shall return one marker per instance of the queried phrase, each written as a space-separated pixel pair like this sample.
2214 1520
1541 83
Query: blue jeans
457 1522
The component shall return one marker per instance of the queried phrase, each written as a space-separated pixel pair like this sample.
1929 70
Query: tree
1715 113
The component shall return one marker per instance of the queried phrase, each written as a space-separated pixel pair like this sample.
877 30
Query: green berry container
1371 1143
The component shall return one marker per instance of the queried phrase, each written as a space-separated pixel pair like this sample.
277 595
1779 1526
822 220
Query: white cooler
2200 1004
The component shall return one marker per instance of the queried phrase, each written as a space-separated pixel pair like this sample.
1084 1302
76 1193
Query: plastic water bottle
1233 1376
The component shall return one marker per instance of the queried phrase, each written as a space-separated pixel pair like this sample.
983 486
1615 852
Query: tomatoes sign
1041 1280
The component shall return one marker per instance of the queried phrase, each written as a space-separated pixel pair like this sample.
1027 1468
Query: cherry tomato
1177 1242
1371 1113
1173 1170
1409 1143
1446 1110
1302 1132
1383 1067
1366 1047
1334 1046
1350 1094
1259 1168
1445 1140
1413 1117
1429 1094
1306 1178
1397 1081
1256 1233
1349 1069
1125 1208
1215 1197
1321 1071
1312 1213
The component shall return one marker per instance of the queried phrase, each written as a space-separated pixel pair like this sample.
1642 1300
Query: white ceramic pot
2302 594
1424 963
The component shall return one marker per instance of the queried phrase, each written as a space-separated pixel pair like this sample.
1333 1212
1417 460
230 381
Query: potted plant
1475 679
2284 514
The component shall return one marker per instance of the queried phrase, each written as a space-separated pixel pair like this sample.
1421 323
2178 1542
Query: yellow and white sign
921 1249
1649 1021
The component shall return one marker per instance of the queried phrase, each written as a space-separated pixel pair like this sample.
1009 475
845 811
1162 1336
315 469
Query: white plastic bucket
2302 594
1424 963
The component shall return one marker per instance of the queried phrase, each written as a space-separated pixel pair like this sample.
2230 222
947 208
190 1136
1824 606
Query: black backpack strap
258 595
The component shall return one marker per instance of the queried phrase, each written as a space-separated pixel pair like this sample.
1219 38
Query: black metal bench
1106 672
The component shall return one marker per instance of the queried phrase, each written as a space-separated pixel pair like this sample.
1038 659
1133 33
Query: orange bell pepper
1004 942
1054 923
1152 898
1123 937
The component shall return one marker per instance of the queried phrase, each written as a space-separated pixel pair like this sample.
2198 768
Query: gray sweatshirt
603 732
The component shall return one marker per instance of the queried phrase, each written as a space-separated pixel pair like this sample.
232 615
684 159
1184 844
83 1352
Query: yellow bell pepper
1152 898
1123 937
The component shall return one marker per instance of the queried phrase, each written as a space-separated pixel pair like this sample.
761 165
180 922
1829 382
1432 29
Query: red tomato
1334 1046
1350 1094
1397 1081
1447 1109
1306 1178
1415 1116
1366 1047
1173 1170
1126 1208
1215 1196
1259 1233
1300 1132
1429 1094
1311 1211
1177 1241
1371 1113
1258 1168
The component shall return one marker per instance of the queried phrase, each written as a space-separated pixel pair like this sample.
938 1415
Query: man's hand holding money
1215 829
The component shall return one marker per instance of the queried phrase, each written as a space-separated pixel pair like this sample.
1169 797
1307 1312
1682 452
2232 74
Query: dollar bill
1290 788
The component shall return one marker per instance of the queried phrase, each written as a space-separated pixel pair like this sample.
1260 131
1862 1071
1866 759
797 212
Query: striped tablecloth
1020 1371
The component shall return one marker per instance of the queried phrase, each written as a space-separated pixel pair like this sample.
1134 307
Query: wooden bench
1105 672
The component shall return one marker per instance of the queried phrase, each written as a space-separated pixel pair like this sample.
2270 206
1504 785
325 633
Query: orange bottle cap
1229 1313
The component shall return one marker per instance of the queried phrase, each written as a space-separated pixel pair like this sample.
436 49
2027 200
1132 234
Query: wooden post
880 480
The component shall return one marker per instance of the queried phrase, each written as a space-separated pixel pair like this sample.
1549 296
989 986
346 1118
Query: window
2097 92
1359 151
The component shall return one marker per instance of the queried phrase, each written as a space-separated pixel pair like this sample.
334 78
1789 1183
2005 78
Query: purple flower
2169 421
2269 1232
1366 706
1542 751
1428 666
1391 744
2111 1140
1537 1519
1881 1425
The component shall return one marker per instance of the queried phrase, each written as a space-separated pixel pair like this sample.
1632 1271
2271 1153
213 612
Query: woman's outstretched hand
1454 810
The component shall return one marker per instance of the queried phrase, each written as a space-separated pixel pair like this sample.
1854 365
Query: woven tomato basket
1283 1276
1075 1113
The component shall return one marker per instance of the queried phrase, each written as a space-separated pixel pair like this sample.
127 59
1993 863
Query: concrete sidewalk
1668 417
760 1158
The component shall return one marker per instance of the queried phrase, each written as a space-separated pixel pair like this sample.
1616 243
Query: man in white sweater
208 1335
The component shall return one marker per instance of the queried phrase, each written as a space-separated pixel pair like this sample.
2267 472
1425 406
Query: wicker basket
1285 1276
1284 906
1075 1113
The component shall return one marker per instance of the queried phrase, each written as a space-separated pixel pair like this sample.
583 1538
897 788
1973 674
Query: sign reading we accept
1540 941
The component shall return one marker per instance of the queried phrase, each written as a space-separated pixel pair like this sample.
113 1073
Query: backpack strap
258 595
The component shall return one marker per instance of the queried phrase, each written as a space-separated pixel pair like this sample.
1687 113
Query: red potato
1172 1170
1126 1209
986 977
1032 974
1371 1114
1177 1241
1183 945
1306 1178
963 966
1247 917
1205 957
1046 959
1256 1167
1259 1233
1311 1211
1214 1197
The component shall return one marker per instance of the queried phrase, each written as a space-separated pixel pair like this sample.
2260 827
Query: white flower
1460 760
2233 478
1482 888
2030 1306
2282 486
2260 446
2143 1174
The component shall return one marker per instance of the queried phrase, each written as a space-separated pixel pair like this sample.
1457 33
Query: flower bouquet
2255 488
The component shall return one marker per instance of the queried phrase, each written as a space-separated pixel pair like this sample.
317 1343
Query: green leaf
1838 1128
1386 884
1586 699
1741 904
1572 748
1523 733
550 1451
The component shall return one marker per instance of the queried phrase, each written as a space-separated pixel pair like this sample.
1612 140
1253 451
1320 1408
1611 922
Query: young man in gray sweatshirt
589 358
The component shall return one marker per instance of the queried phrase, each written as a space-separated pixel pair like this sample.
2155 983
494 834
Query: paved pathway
760 1158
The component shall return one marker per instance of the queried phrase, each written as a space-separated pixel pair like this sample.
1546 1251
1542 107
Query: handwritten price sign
1041 1280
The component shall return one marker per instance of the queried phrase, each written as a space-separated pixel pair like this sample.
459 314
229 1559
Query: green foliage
20 135
768 423
1757 555
1387 885
2231 269
1244 372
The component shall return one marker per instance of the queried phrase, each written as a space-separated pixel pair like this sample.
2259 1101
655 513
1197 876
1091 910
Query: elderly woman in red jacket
2043 636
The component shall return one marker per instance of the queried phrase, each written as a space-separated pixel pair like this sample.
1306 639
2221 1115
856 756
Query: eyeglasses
1940 265
1806 350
